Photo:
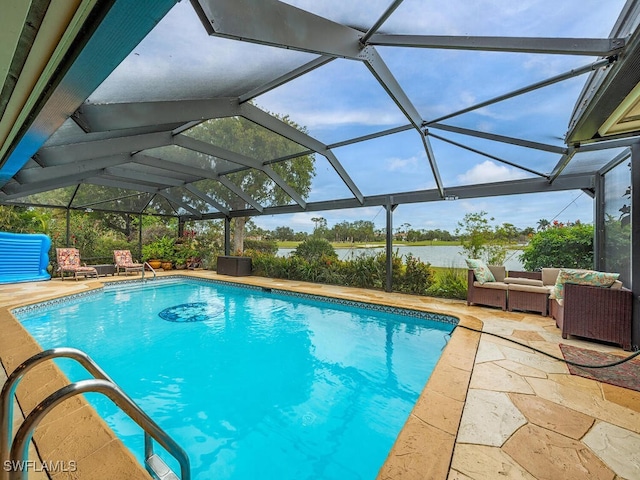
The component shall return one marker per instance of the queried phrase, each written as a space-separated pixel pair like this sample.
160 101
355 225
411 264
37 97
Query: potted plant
159 253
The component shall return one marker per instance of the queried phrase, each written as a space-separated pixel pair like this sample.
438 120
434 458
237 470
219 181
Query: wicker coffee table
105 269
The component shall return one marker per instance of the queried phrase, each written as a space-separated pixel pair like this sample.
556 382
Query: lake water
437 256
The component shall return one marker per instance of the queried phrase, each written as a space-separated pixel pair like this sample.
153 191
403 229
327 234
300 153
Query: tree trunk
238 234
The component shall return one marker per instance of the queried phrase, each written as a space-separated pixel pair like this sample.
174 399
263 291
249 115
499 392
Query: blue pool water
251 384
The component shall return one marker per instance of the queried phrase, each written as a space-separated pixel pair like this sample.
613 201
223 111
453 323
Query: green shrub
417 276
315 248
364 271
560 246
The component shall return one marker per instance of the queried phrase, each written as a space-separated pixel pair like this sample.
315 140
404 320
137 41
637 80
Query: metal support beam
68 230
598 220
432 161
488 155
140 236
65 154
383 18
500 138
389 207
617 160
143 177
87 167
206 198
562 164
227 235
635 243
385 78
180 203
117 116
14 190
270 22
607 144
594 47
208 149
250 112
118 183
239 192
172 166
513 187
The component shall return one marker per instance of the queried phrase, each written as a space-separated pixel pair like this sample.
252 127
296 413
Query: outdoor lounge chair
69 261
124 262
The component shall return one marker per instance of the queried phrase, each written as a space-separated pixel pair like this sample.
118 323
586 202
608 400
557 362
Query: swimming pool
252 383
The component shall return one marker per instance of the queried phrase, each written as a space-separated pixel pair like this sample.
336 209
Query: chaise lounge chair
69 261
124 262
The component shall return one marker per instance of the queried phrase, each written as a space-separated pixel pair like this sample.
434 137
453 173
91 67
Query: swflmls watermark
37 466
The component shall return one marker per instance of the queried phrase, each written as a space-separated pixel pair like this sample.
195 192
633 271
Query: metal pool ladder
16 453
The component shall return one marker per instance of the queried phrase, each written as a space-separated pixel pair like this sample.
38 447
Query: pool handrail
102 383
146 264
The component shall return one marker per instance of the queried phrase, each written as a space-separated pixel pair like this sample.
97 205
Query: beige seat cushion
523 281
528 288
550 275
499 272
492 285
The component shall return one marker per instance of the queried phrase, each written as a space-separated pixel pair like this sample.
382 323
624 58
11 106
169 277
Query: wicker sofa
492 294
517 291
595 313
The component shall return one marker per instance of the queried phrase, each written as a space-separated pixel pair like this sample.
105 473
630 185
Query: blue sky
342 100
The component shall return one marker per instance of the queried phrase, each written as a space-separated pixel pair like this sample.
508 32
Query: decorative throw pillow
481 271
582 277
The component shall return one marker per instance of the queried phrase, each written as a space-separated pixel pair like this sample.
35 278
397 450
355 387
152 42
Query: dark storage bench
236 266
106 269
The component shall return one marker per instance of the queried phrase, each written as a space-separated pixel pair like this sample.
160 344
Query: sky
342 100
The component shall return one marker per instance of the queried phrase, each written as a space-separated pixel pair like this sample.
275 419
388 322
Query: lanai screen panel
97 197
542 18
339 101
179 60
380 166
59 197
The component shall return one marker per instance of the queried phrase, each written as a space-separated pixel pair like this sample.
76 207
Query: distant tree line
365 231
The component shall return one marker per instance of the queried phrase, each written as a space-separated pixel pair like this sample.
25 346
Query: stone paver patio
491 409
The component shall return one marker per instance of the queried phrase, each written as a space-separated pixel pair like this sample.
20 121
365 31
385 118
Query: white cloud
353 116
402 164
489 171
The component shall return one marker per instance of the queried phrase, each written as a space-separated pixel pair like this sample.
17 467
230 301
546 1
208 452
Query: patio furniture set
585 303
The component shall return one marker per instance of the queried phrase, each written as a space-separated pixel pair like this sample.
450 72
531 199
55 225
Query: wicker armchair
595 313
493 294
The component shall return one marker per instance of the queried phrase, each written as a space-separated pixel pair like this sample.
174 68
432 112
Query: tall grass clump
449 282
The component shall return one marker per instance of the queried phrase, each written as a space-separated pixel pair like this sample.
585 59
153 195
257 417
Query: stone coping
73 431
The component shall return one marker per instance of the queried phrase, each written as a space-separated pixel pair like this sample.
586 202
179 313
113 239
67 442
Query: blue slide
24 257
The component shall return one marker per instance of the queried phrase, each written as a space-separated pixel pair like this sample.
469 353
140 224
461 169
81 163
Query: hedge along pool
251 383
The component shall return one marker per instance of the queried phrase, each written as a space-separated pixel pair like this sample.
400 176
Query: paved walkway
492 408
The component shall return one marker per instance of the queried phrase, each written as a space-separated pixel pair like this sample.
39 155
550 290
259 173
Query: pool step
159 469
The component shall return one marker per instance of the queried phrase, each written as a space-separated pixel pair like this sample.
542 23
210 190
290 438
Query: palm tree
543 224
